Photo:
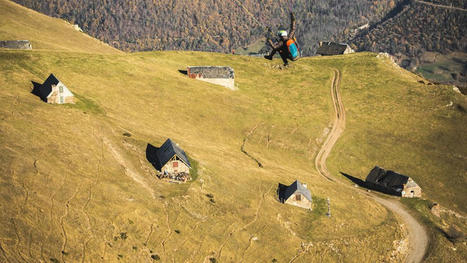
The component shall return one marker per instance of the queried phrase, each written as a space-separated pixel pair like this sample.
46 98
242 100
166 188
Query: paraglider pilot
283 44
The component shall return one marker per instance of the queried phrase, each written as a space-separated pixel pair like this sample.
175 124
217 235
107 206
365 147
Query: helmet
282 33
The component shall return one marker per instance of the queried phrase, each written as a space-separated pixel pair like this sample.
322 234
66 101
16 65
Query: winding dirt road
418 238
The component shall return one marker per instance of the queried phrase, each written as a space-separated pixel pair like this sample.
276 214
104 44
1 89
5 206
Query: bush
454 234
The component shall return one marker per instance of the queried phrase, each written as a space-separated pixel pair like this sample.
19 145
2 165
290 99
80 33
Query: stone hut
16 44
295 194
332 48
53 91
170 160
393 183
219 75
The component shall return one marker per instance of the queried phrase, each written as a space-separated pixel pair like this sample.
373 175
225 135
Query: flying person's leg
273 52
284 57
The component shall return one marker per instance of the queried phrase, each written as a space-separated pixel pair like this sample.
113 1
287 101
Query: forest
406 29
416 28
210 25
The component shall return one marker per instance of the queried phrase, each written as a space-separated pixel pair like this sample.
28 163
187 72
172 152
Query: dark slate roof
210 72
286 191
387 179
331 48
46 88
15 44
51 80
168 150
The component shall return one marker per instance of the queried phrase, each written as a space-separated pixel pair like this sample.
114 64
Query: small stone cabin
332 48
295 194
53 91
393 183
219 75
171 159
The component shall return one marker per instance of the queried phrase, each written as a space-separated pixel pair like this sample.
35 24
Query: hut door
298 197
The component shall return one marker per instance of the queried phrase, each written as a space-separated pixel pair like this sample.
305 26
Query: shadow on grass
370 186
184 72
355 180
36 90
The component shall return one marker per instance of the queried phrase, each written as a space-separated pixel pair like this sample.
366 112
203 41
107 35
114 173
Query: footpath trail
418 238
127 166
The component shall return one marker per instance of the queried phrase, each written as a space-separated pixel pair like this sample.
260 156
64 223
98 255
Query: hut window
60 89
298 197
175 164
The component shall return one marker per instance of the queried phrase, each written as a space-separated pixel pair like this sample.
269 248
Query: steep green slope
415 129
74 183
18 23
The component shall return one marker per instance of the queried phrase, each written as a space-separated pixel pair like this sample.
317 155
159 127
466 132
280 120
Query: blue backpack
293 49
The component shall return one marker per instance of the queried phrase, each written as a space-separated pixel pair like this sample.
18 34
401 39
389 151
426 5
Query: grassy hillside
415 129
75 184
448 68
19 23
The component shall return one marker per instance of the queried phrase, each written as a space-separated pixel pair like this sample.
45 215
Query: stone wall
60 95
175 166
16 44
299 200
411 189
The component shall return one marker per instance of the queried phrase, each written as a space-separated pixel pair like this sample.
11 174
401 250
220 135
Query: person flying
286 45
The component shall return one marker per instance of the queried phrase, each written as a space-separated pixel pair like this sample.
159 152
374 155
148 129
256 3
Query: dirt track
418 238
128 169
442 6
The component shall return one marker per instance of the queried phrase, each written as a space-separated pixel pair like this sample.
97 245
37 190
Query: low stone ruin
332 48
219 75
16 44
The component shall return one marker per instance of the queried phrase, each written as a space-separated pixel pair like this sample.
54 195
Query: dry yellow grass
20 23
73 188
63 164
